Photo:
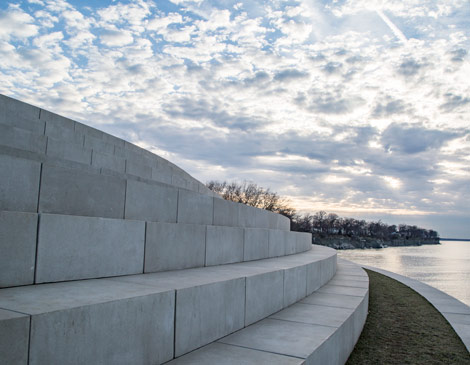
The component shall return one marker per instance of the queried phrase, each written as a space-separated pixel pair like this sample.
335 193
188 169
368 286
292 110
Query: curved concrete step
50 185
152 318
321 329
41 248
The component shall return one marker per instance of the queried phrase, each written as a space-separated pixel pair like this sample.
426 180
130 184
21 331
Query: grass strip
404 328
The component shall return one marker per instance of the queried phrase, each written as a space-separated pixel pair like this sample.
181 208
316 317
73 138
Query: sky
357 107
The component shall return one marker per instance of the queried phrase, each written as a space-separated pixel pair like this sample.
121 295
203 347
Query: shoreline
350 243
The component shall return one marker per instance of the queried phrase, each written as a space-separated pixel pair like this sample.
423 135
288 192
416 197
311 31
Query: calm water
445 266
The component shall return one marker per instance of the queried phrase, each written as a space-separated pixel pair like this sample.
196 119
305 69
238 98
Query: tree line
321 224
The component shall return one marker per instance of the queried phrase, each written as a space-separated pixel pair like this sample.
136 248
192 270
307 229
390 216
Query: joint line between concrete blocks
125 198
39 117
261 350
205 247
29 338
145 246
174 325
177 203
37 249
244 322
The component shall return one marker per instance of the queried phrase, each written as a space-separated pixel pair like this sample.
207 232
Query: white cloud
116 38
16 24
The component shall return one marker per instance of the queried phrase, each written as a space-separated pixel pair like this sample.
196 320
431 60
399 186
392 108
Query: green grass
404 328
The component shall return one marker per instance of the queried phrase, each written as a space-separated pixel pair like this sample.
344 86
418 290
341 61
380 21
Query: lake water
445 266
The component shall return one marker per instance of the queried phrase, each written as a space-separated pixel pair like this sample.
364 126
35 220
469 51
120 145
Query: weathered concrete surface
129 331
171 246
226 213
76 192
22 139
14 337
17 247
154 203
270 335
19 188
264 295
72 247
219 353
194 208
277 245
207 313
109 162
256 244
295 284
224 245
68 151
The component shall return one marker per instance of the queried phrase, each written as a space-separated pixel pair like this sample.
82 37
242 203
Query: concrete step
27 127
151 318
41 248
322 328
40 183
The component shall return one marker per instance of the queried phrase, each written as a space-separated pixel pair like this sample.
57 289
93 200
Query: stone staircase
113 255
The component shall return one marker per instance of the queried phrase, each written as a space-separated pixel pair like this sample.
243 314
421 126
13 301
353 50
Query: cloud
409 67
290 75
116 38
411 139
16 24
389 107
454 102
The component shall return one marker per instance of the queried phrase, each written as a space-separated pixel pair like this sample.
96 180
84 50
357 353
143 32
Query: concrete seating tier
40 182
152 318
33 129
41 248
319 329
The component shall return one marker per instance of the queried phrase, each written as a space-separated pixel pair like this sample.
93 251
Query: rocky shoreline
349 243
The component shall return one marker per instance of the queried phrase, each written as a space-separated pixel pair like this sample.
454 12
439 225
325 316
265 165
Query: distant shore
349 243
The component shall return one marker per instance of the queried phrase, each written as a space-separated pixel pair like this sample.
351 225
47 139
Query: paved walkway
456 312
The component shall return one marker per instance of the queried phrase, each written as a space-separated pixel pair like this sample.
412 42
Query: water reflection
445 266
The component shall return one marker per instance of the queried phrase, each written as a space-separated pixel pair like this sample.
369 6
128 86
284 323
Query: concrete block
315 314
13 107
336 289
303 241
109 138
138 169
138 330
277 240
219 353
99 145
19 184
208 312
75 192
226 213
14 337
35 125
264 295
170 246
262 218
18 247
22 139
295 284
111 162
270 335
68 151
291 243
224 245
88 131
59 127
162 173
314 276
256 244
333 300
194 207
283 223
247 216
72 248
155 203
180 181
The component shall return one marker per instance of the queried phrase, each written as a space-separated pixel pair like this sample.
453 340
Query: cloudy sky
358 107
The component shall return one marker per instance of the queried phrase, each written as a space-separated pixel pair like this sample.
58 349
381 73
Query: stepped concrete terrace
113 255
